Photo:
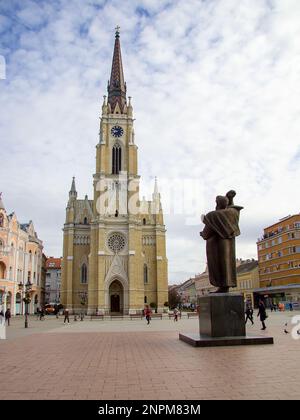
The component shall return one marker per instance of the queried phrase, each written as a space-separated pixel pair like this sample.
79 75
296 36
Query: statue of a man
221 228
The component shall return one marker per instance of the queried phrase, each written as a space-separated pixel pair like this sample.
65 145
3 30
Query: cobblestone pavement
123 359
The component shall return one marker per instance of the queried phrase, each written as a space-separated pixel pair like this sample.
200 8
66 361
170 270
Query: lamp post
26 298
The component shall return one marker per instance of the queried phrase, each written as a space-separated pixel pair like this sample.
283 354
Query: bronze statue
221 228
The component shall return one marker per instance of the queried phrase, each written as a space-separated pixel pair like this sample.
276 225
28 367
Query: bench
192 314
100 316
136 316
156 316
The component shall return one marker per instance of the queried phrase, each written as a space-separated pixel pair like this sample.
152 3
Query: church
114 246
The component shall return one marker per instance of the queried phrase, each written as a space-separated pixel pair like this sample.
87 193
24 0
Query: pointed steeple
116 86
73 192
1 202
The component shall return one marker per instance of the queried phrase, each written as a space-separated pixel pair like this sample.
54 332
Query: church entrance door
115 303
116 294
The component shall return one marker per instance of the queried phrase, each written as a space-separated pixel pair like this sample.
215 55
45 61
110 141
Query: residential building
247 279
279 260
20 264
53 280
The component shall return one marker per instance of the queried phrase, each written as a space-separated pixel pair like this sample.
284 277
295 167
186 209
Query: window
1 245
85 221
144 221
116 159
1 220
145 299
280 240
279 254
83 274
145 274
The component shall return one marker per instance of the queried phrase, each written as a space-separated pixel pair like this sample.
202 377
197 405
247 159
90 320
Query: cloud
215 89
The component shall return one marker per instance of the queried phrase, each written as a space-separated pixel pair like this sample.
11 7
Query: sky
215 89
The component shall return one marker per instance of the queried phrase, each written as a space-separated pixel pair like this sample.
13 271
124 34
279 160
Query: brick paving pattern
149 364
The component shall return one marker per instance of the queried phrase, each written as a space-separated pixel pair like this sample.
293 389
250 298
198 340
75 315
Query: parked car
49 309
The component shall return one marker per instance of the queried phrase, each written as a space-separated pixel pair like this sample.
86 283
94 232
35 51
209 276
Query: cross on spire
117 29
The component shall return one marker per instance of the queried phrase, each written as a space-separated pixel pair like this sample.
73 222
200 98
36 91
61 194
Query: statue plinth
222 323
222 315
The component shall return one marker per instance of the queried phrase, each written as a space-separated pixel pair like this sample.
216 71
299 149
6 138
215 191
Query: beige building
247 279
20 264
114 252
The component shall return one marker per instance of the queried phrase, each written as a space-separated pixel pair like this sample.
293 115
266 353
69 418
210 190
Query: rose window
116 242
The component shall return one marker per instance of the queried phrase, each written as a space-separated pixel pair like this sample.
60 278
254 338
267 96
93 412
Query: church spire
1 202
73 192
116 86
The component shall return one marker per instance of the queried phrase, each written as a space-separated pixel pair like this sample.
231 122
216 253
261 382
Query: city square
149 216
110 359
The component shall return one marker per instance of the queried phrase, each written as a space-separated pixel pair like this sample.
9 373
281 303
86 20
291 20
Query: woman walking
148 313
262 313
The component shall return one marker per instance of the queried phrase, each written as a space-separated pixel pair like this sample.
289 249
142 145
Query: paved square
126 359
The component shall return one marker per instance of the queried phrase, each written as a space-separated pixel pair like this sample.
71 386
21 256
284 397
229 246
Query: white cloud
215 89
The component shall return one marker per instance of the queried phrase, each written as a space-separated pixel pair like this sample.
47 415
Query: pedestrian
42 314
147 313
1 316
175 312
37 313
262 313
56 311
66 314
249 314
7 316
291 306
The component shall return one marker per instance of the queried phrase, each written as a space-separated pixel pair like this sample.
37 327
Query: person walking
175 312
66 314
249 314
42 314
7 316
262 313
148 313
1 317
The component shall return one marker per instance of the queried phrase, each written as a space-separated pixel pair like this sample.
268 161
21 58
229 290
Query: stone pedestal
222 323
222 315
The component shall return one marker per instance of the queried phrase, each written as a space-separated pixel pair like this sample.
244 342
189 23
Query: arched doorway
8 300
18 304
36 301
116 297
2 270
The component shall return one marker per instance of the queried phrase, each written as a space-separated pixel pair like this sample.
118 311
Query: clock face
117 131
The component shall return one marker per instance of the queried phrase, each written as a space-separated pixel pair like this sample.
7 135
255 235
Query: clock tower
114 256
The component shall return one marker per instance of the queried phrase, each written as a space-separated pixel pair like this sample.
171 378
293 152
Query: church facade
114 246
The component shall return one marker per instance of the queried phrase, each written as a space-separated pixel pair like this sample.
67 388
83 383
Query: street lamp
26 298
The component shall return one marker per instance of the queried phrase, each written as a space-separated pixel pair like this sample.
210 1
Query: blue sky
215 88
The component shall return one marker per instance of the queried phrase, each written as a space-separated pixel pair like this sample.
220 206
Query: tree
174 298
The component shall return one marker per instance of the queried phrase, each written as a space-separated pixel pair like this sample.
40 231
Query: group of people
148 313
5 316
261 313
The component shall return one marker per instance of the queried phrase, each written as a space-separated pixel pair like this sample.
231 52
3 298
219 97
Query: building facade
20 264
53 280
247 279
114 252
279 259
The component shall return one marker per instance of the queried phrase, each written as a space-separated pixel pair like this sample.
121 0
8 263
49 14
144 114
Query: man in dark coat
262 313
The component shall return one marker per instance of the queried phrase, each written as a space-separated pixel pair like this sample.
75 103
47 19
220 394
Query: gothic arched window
145 274
83 277
1 220
116 159
85 221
